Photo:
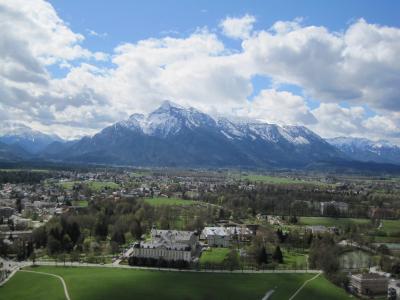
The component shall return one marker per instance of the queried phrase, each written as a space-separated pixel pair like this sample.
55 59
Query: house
168 245
369 284
222 236
216 236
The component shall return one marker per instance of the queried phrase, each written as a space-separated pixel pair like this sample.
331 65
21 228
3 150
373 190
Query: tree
261 256
118 237
277 255
18 204
101 228
136 229
232 260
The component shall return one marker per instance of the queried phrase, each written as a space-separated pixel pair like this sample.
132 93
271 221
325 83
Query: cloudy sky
72 68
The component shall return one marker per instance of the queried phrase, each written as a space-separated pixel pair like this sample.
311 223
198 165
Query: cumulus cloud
280 107
358 65
238 28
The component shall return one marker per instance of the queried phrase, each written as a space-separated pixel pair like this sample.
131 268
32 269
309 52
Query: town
348 227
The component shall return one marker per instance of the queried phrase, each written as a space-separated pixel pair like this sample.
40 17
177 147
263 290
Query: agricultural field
159 201
327 221
119 284
214 256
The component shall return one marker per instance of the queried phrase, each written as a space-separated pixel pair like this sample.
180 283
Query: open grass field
278 180
120 284
294 260
326 221
391 227
159 201
81 203
214 256
93 185
321 288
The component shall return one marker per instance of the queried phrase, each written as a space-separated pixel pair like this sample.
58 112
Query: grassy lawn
106 283
326 221
279 180
321 288
33 287
93 185
158 201
214 255
81 203
391 226
99 185
294 260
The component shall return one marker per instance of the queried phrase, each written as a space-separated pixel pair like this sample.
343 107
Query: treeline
29 177
282 200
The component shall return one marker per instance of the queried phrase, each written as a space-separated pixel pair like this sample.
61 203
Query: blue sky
130 21
74 67
123 21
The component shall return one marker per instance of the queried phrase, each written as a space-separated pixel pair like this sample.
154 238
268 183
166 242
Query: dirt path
54 275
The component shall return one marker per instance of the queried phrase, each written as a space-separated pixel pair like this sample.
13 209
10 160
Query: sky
74 67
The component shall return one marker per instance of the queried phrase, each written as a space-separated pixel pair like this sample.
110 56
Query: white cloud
238 28
358 65
280 107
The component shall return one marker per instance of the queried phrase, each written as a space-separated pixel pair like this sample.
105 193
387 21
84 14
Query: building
222 236
341 207
168 245
369 284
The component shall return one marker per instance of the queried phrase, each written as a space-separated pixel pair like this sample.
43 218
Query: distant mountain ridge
366 150
32 141
176 136
186 137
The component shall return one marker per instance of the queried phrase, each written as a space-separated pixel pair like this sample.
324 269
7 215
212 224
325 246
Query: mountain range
175 136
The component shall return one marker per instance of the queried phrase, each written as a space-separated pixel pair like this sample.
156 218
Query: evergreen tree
277 255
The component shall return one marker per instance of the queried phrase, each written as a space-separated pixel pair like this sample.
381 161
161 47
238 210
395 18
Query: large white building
222 236
168 245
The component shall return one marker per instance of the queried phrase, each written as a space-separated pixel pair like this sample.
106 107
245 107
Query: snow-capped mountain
173 135
366 150
30 140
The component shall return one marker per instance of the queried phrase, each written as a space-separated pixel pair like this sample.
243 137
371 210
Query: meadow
214 256
120 284
327 221
93 185
159 201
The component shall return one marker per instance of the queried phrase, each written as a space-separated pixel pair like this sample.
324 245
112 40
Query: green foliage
277 255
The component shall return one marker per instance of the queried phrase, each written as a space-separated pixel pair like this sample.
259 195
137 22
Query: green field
81 203
105 283
159 201
326 221
277 179
214 256
93 185
320 286
294 260
391 227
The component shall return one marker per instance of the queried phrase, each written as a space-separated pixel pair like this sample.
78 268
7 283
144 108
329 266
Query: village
189 220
